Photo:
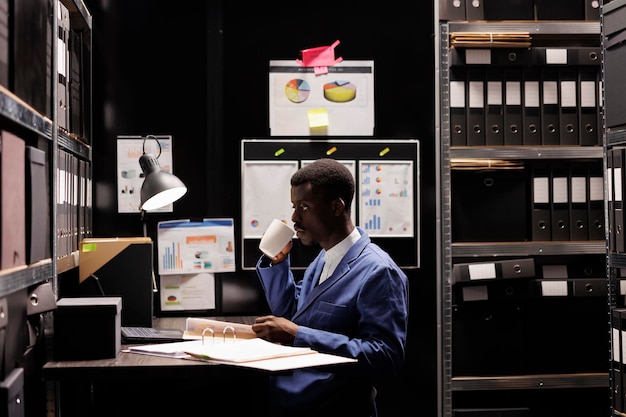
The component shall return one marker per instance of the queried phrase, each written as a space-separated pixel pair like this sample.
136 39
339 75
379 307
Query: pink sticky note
322 56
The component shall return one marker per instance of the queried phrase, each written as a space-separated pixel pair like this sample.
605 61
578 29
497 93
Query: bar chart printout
188 247
386 196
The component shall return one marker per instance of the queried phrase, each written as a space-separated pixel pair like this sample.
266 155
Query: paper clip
212 334
233 330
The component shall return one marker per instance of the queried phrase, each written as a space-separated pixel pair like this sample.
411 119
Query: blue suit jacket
360 311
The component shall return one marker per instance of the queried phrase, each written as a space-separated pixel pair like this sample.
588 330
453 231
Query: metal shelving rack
562 32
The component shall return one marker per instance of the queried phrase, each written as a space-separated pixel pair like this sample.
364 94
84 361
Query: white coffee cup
275 238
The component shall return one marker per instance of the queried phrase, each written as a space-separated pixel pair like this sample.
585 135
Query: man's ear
339 205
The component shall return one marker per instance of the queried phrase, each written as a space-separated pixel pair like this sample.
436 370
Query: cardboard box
87 328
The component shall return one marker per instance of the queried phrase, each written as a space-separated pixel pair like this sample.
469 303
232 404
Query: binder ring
212 334
231 328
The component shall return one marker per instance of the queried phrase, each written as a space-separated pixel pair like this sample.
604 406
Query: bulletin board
386 202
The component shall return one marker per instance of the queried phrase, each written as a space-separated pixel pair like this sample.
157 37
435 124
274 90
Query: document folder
595 188
617 361
541 212
458 135
452 9
579 217
474 10
513 135
120 267
568 95
588 106
475 107
494 114
13 196
550 125
560 201
618 201
531 108
37 206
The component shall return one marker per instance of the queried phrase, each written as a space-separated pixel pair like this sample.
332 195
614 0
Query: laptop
145 335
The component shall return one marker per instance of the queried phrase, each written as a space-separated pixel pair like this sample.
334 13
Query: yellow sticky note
318 118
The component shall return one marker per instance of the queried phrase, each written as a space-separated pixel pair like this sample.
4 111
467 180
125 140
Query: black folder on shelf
550 125
531 107
592 10
560 201
568 97
489 205
622 390
588 105
452 9
518 57
63 58
509 10
541 227
617 360
618 200
494 109
579 216
37 206
474 10
475 106
559 10
595 198
513 135
458 119
505 269
610 198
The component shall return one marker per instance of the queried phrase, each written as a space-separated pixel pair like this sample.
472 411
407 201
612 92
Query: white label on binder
482 271
478 56
556 56
554 288
541 190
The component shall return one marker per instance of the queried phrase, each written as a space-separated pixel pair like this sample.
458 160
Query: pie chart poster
337 103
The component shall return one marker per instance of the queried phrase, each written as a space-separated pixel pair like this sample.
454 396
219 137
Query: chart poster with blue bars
192 247
386 198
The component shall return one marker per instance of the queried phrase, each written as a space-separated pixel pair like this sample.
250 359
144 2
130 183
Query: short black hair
331 177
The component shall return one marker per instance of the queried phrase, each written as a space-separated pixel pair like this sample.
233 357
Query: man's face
312 215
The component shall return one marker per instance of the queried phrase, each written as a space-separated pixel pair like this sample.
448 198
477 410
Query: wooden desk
152 386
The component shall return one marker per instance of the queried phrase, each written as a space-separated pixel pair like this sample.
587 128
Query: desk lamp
159 188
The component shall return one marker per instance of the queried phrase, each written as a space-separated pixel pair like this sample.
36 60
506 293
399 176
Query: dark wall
198 71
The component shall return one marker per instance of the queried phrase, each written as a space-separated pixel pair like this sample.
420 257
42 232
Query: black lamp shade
159 188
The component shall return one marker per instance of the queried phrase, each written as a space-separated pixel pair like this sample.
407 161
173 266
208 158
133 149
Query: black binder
458 135
610 199
513 135
474 10
588 105
494 111
452 9
592 9
579 216
560 201
531 108
617 361
550 125
618 200
509 10
568 95
541 229
37 206
475 107
559 10
595 198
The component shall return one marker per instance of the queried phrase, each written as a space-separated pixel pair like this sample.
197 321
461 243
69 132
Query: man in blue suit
352 301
